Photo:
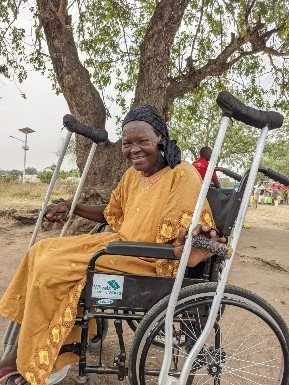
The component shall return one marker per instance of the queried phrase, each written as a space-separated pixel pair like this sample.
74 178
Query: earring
161 145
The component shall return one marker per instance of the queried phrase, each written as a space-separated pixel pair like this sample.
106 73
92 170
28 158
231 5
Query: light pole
26 131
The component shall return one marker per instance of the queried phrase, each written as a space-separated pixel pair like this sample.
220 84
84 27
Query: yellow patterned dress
44 292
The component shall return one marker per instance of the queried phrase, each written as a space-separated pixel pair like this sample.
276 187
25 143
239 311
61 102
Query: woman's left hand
196 255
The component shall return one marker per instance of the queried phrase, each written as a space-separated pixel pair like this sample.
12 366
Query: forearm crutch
232 108
11 334
50 188
97 136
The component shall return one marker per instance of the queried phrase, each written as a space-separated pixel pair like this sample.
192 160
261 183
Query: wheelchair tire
102 329
248 345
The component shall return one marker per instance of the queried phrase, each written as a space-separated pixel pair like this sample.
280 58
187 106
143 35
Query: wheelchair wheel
248 345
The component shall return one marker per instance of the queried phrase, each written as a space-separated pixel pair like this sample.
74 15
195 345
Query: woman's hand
197 255
54 213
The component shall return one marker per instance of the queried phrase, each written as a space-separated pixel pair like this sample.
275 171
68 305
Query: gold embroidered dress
44 292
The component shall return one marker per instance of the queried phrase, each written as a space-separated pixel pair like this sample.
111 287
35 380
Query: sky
42 111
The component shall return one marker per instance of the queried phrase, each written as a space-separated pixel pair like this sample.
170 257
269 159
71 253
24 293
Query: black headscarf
150 114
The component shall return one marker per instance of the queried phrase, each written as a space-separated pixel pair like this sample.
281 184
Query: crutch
97 136
231 108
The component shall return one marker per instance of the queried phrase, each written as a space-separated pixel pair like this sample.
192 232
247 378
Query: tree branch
198 27
15 15
186 82
247 14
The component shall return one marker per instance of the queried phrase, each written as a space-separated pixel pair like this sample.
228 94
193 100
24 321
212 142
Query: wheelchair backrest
224 209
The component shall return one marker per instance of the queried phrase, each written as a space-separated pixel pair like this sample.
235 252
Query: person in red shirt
201 164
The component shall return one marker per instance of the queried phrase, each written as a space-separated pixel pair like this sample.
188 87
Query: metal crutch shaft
163 377
79 188
50 188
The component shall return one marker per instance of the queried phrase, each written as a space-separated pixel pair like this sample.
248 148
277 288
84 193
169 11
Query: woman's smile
138 158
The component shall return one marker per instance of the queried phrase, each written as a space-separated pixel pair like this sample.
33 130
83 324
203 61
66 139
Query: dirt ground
261 265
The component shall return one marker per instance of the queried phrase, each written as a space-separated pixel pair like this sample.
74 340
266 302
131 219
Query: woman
153 202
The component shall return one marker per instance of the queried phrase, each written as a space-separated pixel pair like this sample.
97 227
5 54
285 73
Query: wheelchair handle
272 174
72 125
234 108
215 247
229 173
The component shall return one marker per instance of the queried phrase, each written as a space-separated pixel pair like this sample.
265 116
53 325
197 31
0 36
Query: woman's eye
143 142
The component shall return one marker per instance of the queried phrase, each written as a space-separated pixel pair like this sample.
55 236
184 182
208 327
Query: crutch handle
215 247
96 135
235 109
272 174
229 173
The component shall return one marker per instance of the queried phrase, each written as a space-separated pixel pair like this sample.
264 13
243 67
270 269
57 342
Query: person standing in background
258 189
276 186
285 194
202 163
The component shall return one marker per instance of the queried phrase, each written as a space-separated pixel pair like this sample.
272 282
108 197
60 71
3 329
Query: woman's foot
10 376
5 373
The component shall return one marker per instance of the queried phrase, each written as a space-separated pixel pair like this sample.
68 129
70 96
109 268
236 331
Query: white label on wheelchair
107 286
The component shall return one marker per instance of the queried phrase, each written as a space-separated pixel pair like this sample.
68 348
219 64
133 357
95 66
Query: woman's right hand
54 213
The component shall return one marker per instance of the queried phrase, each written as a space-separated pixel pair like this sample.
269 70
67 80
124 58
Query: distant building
30 178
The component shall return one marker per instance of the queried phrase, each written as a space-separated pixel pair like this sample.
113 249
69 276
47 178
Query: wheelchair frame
137 289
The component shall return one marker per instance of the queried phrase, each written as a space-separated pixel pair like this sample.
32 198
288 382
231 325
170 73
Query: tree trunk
155 53
82 98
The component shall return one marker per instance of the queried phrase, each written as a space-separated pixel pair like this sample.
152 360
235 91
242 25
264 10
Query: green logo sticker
107 286
113 284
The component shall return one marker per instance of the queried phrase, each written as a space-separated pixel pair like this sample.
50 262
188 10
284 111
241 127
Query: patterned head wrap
150 114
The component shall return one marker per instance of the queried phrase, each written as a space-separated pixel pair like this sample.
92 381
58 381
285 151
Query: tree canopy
175 54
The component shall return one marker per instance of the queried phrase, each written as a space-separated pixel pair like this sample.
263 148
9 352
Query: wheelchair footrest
72 348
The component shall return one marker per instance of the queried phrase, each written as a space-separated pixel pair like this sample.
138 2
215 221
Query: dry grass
16 195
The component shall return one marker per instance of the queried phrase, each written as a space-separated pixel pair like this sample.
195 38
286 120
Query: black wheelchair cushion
234 108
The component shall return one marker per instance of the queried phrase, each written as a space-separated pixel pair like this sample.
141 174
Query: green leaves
276 154
196 121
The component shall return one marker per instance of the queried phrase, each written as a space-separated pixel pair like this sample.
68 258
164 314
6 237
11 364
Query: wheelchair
249 342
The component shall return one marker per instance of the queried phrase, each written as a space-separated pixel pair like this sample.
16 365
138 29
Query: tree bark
155 54
83 99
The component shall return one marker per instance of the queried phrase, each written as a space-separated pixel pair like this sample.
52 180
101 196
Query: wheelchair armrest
142 249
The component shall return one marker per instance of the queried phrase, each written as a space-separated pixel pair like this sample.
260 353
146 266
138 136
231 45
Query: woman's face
140 146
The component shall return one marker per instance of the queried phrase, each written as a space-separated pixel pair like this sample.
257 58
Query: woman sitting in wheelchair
153 202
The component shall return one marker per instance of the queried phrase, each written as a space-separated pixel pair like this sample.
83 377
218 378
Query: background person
202 163
275 187
285 194
258 190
